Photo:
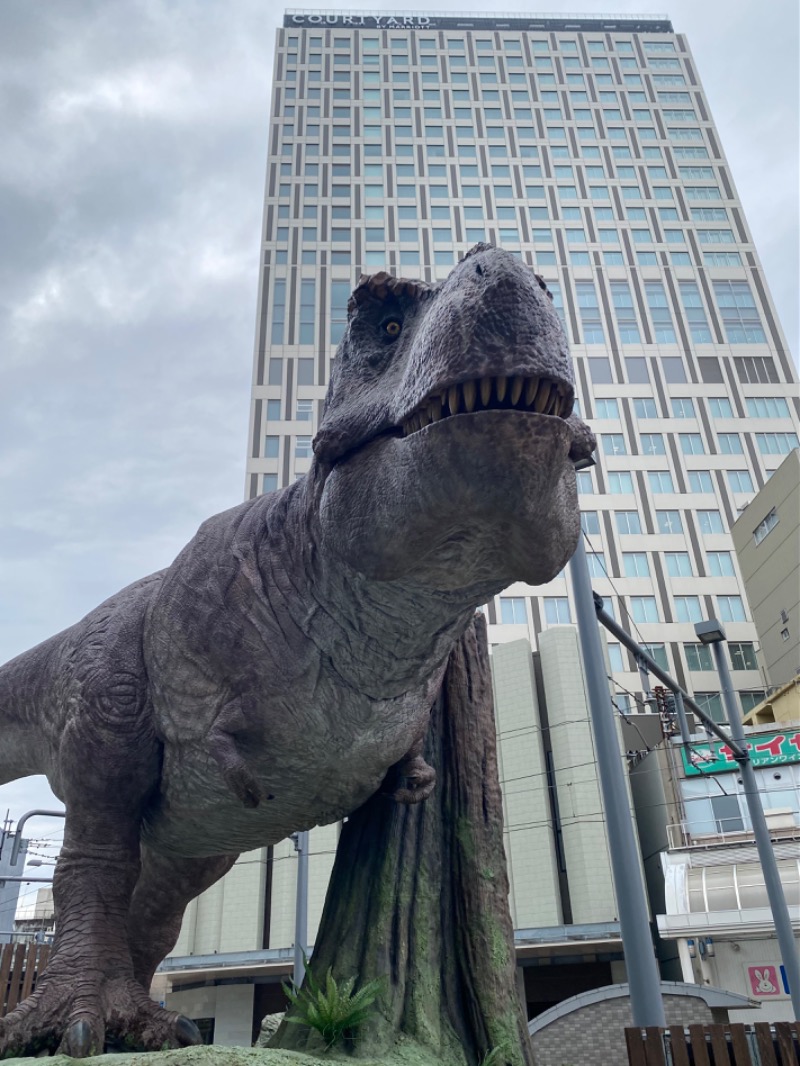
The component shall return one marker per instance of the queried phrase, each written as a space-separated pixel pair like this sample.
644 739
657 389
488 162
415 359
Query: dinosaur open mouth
539 395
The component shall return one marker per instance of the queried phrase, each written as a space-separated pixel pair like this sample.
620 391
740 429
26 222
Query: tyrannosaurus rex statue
272 676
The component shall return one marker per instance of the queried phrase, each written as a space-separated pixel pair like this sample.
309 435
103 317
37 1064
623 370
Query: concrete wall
594 1035
577 786
528 836
728 969
231 1007
771 569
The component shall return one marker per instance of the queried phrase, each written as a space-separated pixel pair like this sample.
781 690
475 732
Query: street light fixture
710 632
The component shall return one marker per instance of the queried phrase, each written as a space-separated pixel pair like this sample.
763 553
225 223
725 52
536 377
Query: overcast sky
131 180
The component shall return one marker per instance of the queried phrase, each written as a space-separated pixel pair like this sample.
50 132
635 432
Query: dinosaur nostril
479 269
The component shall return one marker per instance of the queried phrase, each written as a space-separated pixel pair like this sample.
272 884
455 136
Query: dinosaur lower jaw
536 395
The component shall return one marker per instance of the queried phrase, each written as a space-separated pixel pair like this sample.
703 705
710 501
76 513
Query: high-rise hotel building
586 147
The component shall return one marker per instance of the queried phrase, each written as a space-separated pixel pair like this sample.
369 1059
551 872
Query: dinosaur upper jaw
536 394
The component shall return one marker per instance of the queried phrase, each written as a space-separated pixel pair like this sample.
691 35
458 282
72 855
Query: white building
587 147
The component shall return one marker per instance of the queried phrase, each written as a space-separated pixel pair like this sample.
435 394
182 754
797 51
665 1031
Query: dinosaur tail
28 712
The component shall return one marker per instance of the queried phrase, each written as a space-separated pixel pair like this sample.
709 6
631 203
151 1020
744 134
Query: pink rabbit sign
766 981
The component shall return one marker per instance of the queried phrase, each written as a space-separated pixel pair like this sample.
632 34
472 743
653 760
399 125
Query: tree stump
419 895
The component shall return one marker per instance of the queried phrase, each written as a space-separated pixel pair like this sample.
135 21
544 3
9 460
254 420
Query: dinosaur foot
411 781
87 1015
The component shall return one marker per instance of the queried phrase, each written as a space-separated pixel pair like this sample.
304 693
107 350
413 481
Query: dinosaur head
447 447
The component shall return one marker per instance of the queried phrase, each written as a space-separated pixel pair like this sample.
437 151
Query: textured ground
403 1055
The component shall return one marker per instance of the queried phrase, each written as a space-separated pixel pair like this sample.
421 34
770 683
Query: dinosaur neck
382 638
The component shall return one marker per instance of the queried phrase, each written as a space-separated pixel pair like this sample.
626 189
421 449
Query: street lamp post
713 634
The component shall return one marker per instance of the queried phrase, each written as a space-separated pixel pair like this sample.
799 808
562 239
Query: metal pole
17 841
301 907
647 1007
25 880
766 853
680 710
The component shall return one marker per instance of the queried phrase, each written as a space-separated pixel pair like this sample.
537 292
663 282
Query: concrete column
580 802
529 837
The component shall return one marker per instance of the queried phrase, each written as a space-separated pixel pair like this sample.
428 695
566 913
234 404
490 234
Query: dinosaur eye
392 327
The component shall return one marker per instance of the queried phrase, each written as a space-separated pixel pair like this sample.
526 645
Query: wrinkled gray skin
282 669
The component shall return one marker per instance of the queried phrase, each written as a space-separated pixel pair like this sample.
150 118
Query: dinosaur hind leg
166 885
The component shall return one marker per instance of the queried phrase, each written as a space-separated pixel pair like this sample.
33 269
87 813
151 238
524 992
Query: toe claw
186 1031
78 1040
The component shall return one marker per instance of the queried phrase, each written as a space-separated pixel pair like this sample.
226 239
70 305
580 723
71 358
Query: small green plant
335 1010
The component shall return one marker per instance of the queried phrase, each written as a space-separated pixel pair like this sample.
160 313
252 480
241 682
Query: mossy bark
419 894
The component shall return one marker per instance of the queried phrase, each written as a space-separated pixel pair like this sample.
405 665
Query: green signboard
766 749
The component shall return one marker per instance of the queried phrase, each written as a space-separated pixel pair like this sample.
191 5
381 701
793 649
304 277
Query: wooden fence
761 1044
20 967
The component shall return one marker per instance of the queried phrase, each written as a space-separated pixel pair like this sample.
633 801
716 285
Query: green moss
464 837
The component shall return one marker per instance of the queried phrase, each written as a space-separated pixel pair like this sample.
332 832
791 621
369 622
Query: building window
585 485
269 482
556 610
614 444
597 564
653 444
692 444
776 443
305 372
620 482
730 444
304 410
645 407
635 564
756 370
739 313
659 312
607 408
749 700
720 564
731 609
710 522
590 523
636 369
669 522
765 526
682 407
740 481
720 407
695 312
698 657
626 315
589 312
512 610
711 703
644 609
278 311
743 656
615 659
302 447
307 290
340 294
628 522
700 481
687 609
275 372
678 564
660 481
271 447
658 652
599 366
767 407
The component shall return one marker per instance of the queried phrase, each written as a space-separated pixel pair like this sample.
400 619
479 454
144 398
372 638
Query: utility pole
300 841
711 632
647 1006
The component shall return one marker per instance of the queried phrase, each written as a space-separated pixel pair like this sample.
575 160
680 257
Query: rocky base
405 1053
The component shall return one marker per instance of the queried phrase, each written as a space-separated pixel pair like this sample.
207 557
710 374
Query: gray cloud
131 183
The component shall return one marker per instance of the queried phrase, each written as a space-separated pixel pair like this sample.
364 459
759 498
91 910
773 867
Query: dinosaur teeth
452 399
542 398
516 389
530 390
435 410
501 383
469 389
486 390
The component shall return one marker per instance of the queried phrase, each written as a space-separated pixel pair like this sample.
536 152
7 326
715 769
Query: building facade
767 540
585 146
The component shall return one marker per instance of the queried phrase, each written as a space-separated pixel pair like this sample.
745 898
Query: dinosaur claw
78 1040
186 1031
